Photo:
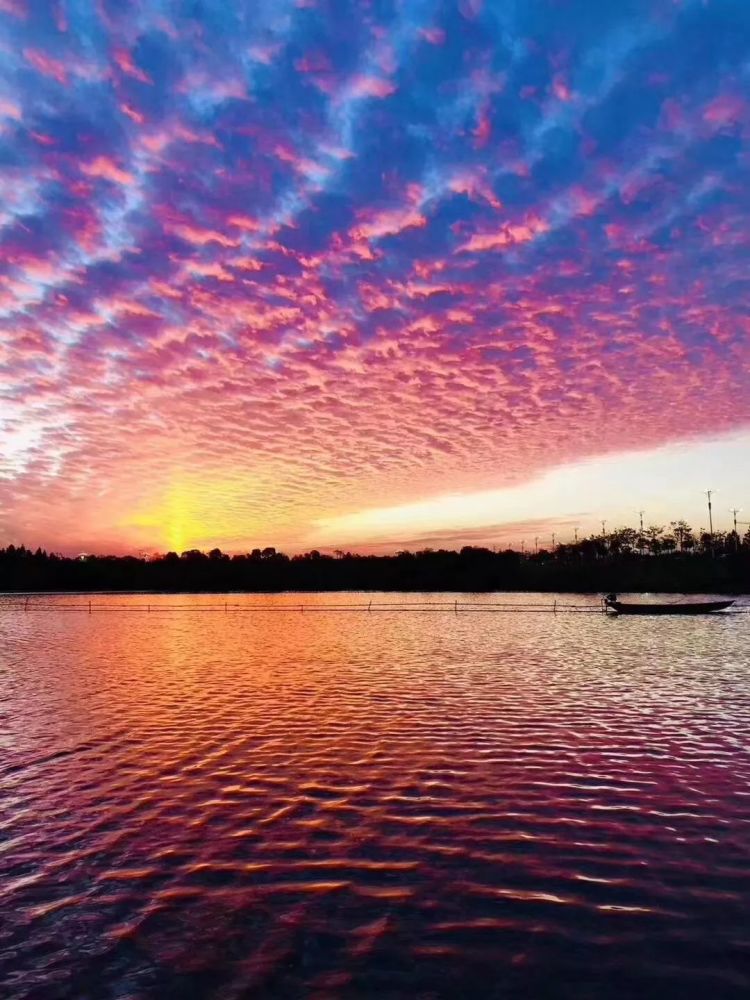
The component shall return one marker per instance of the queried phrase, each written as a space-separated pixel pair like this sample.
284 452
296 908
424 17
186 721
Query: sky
371 274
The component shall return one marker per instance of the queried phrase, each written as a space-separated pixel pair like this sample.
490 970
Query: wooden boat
681 608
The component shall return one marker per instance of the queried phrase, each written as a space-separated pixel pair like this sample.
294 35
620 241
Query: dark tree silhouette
618 561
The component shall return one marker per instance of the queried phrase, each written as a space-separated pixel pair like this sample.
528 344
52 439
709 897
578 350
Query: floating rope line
372 607
225 607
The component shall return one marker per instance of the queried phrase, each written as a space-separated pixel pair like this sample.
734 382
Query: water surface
210 802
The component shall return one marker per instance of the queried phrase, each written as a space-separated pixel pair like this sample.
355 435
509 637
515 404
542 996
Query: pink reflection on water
306 803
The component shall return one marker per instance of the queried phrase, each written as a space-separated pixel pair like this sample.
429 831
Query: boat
675 608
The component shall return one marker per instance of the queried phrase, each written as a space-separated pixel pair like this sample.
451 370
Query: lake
207 801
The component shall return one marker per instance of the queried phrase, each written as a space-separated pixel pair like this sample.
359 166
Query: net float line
372 606
225 607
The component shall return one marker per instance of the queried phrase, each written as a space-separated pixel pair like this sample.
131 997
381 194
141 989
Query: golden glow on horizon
171 524
195 513
247 509
668 482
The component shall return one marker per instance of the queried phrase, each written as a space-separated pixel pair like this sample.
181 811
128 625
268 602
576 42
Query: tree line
674 560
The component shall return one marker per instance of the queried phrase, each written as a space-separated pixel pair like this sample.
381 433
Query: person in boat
609 600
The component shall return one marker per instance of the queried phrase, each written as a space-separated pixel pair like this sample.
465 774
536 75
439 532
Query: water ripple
231 806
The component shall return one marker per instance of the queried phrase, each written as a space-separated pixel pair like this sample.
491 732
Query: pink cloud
124 60
131 113
388 223
727 109
156 142
244 222
370 86
107 169
201 237
313 62
509 235
560 88
129 308
194 135
374 297
43 271
336 152
475 185
15 8
584 202
9 109
302 164
672 116
210 270
264 54
218 89
46 65
482 130
471 9
246 264
460 316
166 290
435 36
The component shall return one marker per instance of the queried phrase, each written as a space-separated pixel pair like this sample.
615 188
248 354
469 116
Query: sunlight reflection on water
228 804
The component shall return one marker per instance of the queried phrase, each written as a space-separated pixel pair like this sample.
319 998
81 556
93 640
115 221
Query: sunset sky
371 274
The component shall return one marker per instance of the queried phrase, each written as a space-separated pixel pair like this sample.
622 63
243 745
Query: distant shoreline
362 590
591 568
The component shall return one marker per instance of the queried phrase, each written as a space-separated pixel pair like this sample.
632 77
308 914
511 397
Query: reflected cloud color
343 804
267 266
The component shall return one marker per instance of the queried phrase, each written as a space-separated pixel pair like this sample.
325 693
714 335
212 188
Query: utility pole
641 538
710 515
575 534
734 511
536 543
523 545
604 528
553 541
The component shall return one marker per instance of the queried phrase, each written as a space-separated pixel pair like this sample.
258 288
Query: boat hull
696 608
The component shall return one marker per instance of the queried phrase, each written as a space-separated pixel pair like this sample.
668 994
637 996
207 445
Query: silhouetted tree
721 563
683 533
653 538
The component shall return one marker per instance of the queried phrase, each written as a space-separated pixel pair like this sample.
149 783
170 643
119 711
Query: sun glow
196 513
